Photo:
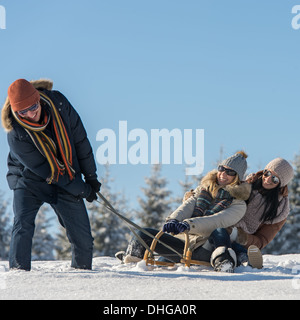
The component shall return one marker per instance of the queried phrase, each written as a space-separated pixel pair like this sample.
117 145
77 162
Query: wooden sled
187 254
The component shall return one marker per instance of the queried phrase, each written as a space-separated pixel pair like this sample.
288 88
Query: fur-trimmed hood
239 192
6 115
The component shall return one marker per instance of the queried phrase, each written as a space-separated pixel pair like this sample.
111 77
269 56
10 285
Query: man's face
32 113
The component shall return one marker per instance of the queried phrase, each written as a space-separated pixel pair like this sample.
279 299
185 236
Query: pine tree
189 183
156 205
62 245
109 232
5 228
43 243
288 239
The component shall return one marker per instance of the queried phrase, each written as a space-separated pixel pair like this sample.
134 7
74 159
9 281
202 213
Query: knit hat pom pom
243 154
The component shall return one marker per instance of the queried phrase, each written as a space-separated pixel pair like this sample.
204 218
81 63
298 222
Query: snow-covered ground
109 280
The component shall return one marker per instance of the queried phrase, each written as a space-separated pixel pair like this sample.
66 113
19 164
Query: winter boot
255 257
242 259
120 255
223 260
131 259
126 258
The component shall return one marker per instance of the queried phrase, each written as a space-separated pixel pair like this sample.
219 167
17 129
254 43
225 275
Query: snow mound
110 280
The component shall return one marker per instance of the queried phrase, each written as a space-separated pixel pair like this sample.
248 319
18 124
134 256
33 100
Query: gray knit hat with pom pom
238 163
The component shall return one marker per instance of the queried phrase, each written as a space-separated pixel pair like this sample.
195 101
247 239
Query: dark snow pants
72 215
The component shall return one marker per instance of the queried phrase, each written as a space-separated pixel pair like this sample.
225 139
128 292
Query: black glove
92 196
182 227
176 227
95 184
170 226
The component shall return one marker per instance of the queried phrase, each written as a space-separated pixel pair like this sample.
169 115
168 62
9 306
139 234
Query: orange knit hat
22 95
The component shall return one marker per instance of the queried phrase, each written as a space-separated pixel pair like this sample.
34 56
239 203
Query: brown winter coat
252 231
262 237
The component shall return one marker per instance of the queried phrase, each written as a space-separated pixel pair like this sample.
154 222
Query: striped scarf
206 205
46 145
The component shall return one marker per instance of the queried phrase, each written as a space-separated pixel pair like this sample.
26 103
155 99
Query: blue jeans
221 238
72 215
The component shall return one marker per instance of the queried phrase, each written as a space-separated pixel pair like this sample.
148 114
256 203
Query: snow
110 280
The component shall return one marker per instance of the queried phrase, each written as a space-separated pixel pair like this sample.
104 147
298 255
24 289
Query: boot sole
131 259
255 257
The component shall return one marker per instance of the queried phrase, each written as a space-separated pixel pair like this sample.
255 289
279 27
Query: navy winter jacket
28 168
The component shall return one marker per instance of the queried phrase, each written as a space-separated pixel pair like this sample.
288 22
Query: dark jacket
28 168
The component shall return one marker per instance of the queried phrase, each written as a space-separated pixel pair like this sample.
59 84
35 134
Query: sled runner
186 259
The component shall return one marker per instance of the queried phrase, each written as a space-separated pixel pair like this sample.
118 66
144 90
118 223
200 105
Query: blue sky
228 67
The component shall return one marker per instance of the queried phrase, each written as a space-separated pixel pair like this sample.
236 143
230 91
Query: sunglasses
268 173
229 172
32 108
